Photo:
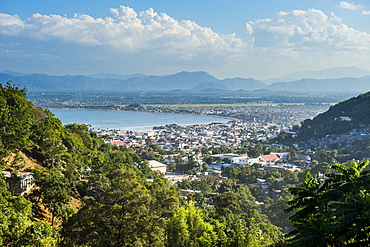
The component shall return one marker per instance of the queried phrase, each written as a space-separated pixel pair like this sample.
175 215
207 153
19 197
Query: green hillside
336 119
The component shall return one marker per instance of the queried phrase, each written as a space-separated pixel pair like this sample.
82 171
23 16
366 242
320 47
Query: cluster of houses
271 161
338 141
285 114
174 137
268 162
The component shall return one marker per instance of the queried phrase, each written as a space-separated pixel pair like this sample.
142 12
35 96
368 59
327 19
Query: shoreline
177 113
94 128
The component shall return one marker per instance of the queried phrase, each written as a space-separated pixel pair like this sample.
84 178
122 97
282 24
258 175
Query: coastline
169 113
134 126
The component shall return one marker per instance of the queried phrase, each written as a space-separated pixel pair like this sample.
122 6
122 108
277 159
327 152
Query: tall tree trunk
52 218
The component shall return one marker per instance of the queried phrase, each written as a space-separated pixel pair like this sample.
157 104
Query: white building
157 166
240 160
19 183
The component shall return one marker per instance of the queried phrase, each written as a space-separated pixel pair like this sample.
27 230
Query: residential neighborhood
188 140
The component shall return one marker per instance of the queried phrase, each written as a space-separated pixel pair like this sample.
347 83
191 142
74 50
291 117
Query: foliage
188 228
335 212
45 126
55 192
128 213
16 226
16 117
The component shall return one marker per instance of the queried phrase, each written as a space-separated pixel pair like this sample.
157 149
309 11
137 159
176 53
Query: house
187 192
240 160
276 167
20 182
283 156
157 166
95 193
269 158
118 143
262 183
345 118
291 167
255 161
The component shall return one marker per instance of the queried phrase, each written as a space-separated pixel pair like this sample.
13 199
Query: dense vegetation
333 213
89 193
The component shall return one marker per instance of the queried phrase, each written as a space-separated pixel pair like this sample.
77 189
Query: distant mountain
13 73
356 85
185 81
115 76
330 73
41 82
209 85
248 84
5 77
232 84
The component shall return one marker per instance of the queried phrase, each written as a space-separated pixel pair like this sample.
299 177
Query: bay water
132 121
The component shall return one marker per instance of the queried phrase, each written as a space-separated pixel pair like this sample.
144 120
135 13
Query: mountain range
186 81
329 73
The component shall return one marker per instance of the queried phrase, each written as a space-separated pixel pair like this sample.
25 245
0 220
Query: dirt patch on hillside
29 163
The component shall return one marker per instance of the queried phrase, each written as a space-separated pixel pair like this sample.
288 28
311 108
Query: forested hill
342 117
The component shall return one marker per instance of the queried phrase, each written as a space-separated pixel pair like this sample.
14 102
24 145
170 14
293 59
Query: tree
259 230
53 149
55 192
231 172
206 184
327 156
232 203
188 228
45 126
81 132
129 214
17 163
275 210
16 116
208 160
16 226
333 213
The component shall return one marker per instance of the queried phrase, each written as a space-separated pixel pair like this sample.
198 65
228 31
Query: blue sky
240 38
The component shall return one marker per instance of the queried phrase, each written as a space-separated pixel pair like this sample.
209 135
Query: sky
258 39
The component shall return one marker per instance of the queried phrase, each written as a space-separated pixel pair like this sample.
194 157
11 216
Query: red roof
270 157
118 143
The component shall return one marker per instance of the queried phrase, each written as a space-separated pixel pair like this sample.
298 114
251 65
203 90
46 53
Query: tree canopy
333 212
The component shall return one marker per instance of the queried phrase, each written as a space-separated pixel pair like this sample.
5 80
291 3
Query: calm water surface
129 120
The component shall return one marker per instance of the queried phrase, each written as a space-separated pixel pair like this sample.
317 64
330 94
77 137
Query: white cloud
154 43
10 24
127 31
300 30
365 12
350 6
